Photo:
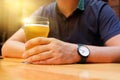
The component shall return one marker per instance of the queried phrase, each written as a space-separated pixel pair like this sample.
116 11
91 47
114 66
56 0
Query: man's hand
42 50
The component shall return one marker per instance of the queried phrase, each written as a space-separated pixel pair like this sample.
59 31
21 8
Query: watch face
84 51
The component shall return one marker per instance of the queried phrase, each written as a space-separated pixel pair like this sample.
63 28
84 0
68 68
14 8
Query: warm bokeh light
14 11
25 20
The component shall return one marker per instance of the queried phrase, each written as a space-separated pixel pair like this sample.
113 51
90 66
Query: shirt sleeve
38 12
44 10
109 24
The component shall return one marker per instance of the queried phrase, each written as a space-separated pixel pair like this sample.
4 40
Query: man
80 31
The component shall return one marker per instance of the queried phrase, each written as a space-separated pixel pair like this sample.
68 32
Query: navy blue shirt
92 26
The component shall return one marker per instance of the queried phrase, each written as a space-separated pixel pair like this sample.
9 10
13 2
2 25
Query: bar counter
14 69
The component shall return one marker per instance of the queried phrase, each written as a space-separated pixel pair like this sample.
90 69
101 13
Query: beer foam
25 25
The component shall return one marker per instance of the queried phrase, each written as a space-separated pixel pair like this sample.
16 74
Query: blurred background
12 12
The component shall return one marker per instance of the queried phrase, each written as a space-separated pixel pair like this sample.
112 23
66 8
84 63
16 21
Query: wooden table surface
14 69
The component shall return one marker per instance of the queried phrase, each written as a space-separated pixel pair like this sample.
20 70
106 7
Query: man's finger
37 41
36 50
39 57
50 61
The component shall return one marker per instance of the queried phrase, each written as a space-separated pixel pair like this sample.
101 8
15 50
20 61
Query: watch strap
83 58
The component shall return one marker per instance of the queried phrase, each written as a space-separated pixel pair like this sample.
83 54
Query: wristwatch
84 52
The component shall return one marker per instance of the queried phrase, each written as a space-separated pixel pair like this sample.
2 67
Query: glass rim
36 20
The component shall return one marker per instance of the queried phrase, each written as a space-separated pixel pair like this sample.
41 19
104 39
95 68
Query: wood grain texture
14 69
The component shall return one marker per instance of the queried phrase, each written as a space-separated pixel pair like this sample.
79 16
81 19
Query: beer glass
36 26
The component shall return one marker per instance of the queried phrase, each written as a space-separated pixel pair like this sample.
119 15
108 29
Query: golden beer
36 30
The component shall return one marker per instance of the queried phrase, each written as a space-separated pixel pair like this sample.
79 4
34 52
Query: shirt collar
81 5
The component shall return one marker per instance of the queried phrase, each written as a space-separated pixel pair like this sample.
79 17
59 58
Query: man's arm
53 51
14 47
108 53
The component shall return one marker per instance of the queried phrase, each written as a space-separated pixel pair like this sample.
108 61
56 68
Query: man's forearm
13 49
104 54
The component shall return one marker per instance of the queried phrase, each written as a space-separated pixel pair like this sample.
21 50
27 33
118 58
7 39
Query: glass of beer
36 26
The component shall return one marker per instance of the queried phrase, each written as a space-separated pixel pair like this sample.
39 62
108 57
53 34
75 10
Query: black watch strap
83 58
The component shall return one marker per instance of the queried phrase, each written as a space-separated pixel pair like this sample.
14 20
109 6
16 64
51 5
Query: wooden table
14 69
